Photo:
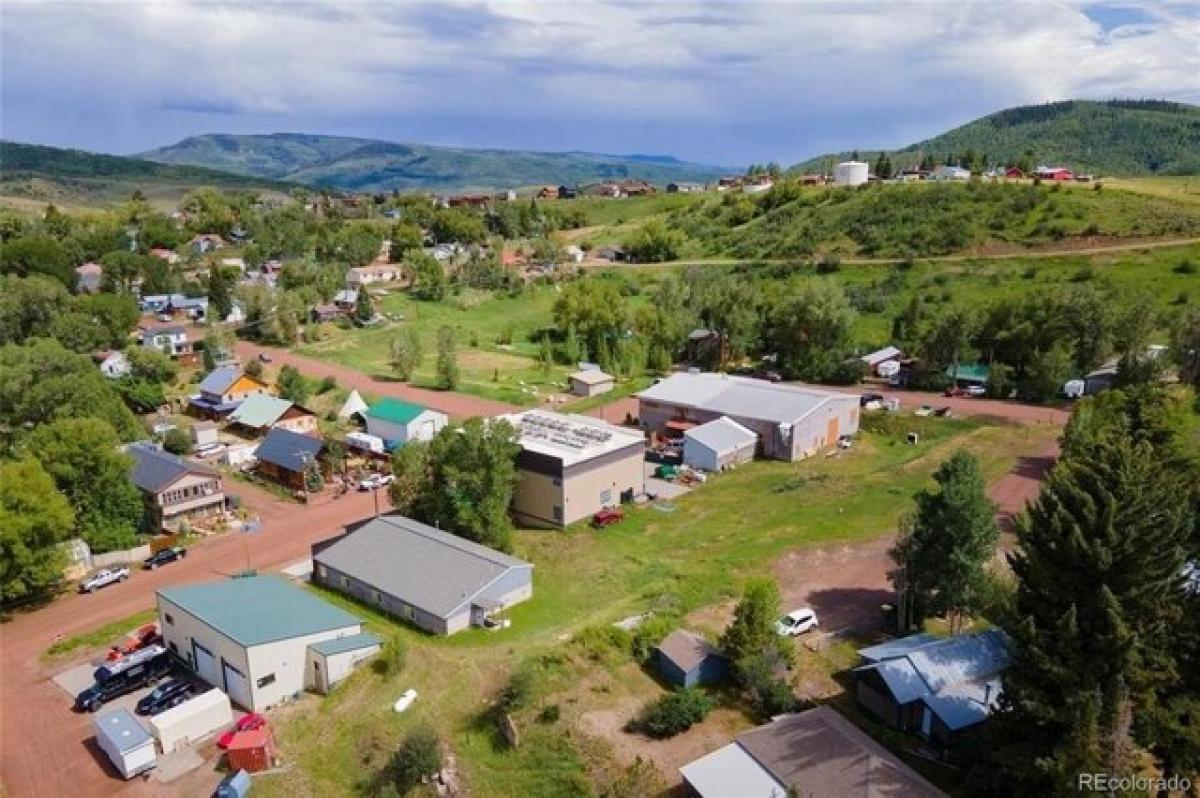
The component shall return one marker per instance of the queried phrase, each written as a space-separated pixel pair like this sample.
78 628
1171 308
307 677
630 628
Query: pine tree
572 348
447 359
943 555
1098 566
363 309
220 297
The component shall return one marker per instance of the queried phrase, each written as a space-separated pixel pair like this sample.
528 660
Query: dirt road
456 405
42 744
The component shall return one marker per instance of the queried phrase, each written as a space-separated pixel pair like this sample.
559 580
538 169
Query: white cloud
789 77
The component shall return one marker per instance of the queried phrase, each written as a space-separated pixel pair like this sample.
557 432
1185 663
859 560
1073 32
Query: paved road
456 405
42 744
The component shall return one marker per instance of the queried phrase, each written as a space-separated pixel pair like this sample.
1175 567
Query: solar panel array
562 432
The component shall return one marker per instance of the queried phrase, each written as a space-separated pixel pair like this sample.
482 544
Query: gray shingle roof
288 449
154 469
741 397
219 379
722 435
430 569
687 649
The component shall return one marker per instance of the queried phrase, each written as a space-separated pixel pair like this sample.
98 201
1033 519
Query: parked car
164 556
976 390
209 450
264 357
248 722
166 695
376 481
768 375
924 410
144 637
797 622
869 398
607 517
103 578
116 679
667 472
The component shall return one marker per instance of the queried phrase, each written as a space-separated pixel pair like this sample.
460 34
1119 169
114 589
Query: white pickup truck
103 578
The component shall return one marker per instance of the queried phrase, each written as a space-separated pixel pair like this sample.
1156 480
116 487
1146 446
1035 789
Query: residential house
373 273
547 192
437 581
206 242
703 346
812 753
397 422
1053 173
115 365
1013 173
566 192
936 687
168 255
571 467
223 389
685 659
631 187
171 341
262 412
469 201
324 313
261 639
685 188
883 362
791 421
757 185
88 277
345 300
591 382
729 183
950 173
719 445
284 456
174 489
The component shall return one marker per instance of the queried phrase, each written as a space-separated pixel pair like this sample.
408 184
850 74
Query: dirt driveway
456 405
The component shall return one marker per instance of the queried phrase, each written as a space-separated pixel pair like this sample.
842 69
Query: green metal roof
258 609
969 372
260 410
341 645
395 410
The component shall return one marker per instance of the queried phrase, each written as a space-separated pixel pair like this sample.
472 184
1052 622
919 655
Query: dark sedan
165 696
163 557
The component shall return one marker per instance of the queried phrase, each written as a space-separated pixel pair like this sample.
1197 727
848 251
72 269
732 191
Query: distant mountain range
1117 137
354 164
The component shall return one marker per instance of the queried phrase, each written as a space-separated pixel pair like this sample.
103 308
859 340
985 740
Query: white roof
741 397
181 713
354 404
570 438
730 772
591 377
880 355
722 435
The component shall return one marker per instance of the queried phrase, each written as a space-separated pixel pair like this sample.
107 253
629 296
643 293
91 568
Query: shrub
605 644
254 368
419 755
639 779
550 714
673 713
518 692
176 441
649 634
327 384
392 658
1184 267
769 693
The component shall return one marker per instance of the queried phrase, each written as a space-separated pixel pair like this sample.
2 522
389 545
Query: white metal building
192 720
127 744
718 445
851 173
250 636
399 422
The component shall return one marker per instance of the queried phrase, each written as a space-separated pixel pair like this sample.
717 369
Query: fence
121 557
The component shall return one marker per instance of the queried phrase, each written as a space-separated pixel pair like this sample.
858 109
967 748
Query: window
321 571
408 612
558 514
345 581
606 496
378 598
170 620
266 680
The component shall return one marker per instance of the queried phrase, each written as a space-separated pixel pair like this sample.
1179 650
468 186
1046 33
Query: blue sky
717 82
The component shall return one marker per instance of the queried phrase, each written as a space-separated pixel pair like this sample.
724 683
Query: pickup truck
103 578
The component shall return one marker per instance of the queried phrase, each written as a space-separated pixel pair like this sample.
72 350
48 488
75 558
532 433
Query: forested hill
368 165
23 161
1117 137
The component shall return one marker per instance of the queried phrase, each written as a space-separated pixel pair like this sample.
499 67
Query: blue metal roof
341 645
897 647
219 380
287 449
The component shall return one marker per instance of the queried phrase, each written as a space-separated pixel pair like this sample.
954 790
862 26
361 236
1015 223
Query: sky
727 83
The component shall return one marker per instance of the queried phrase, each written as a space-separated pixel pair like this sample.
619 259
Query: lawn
691 557
96 638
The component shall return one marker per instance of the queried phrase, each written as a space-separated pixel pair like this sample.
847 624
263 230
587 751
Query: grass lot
691 557
103 636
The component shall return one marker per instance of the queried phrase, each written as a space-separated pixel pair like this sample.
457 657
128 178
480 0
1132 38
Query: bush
550 714
419 755
605 644
392 658
673 713
769 693
254 368
327 384
1184 267
176 441
649 633
518 692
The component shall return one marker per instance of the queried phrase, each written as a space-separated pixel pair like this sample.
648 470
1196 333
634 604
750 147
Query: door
236 686
832 428
206 664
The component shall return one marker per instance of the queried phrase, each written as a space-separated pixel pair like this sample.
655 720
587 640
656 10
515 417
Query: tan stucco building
572 466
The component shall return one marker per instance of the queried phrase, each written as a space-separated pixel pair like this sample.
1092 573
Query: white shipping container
192 720
127 744
851 173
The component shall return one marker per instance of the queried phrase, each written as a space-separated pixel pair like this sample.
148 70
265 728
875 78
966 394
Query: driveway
45 749
456 405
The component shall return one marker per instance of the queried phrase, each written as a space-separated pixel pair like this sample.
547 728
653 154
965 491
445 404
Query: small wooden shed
686 659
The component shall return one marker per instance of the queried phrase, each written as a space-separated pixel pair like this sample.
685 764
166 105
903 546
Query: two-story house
223 390
172 341
174 489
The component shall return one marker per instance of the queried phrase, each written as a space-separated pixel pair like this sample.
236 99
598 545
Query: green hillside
355 164
1117 137
75 177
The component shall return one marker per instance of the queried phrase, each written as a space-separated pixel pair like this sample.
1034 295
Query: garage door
206 664
236 687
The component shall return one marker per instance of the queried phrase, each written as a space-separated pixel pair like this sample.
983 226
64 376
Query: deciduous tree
34 521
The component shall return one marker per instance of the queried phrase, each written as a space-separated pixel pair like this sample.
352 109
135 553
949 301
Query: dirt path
456 405
42 744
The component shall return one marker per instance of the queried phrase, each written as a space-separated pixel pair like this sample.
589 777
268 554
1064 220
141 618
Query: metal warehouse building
791 421
435 580
572 466
257 638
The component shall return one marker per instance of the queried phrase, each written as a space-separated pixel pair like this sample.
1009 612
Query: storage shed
718 445
127 744
399 422
192 720
330 661
686 659
252 751
591 382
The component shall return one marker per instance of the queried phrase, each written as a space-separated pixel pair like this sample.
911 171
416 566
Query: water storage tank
850 173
